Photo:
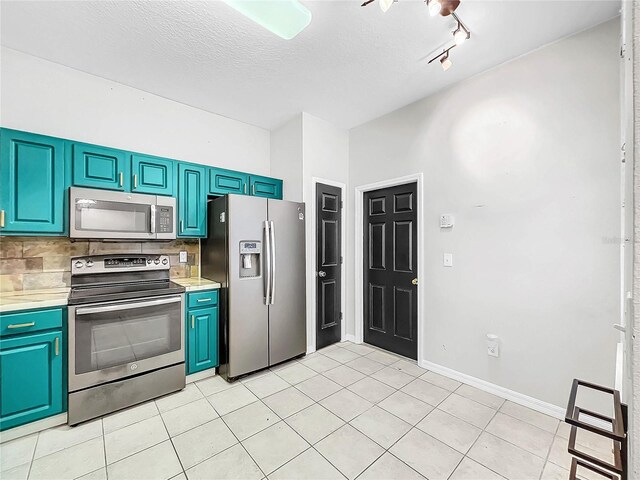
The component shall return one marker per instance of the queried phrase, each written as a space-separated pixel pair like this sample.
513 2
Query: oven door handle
127 306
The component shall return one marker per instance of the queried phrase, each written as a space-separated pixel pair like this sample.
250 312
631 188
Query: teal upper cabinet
31 378
227 181
32 183
192 201
266 187
100 167
151 175
202 339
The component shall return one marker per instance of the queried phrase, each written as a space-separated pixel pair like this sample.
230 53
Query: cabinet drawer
202 299
27 322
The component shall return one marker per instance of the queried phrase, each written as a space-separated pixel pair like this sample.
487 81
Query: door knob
414 281
322 274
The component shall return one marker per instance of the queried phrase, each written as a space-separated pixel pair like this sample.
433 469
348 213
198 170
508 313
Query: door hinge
341 204
340 315
341 260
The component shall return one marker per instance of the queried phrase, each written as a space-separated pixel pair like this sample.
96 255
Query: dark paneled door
328 262
390 269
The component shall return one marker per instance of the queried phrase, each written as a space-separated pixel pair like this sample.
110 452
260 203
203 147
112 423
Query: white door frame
359 252
311 322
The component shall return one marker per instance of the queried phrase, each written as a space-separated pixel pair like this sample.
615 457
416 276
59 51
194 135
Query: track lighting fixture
445 61
434 6
385 4
461 34
444 8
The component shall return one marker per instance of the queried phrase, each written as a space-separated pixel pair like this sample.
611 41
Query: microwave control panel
164 219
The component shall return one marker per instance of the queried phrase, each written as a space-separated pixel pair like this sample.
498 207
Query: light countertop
29 299
195 284
57 297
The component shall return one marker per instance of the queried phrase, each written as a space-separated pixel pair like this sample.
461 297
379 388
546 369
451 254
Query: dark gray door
328 262
390 269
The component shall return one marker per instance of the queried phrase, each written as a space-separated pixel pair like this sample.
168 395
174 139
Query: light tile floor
346 411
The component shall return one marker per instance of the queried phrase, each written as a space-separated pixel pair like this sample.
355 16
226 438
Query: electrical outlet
493 350
447 259
183 256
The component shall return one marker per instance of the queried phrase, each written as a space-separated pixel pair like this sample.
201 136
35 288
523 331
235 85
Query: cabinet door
202 335
192 201
100 167
223 181
30 378
32 183
151 175
266 187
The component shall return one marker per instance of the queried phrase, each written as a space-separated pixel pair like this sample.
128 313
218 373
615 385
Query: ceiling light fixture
445 61
434 6
385 4
285 18
461 34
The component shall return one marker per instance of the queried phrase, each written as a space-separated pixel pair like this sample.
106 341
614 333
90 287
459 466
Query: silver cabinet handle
181 226
121 179
253 189
267 263
244 188
193 321
1 218
322 274
272 231
135 180
127 306
57 346
21 325
203 300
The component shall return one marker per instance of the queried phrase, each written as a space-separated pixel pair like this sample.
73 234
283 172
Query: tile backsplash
33 263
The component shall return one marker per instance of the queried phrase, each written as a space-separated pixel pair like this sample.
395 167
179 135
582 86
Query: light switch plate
446 220
183 256
447 259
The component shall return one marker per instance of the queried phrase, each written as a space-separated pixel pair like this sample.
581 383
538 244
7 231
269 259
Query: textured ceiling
350 65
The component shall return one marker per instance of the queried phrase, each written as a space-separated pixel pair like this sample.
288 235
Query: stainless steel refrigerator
256 250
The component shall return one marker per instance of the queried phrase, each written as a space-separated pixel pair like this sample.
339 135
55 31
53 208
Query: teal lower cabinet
266 187
201 337
32 379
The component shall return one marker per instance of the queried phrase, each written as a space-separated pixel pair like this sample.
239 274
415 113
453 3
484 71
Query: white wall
286 157
326 157
48 98
526 156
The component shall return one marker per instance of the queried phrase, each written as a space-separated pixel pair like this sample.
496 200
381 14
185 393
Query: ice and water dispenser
250 261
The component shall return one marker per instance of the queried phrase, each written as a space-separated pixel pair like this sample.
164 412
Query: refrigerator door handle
272 231
267 263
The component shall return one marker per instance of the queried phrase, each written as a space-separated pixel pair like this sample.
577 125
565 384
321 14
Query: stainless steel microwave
103 214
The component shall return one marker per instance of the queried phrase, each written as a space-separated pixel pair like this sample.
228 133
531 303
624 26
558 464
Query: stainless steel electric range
126 333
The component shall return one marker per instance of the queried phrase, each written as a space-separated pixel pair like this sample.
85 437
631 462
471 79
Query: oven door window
105 216
107 338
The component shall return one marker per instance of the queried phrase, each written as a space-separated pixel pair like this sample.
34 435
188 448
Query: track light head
445 61
385 4
435 6
461 34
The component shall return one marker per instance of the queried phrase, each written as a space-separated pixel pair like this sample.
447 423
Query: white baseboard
33 427
350 338
516 397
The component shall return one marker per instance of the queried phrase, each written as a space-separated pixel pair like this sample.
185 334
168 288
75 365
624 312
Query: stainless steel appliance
126 333
120 215
256 249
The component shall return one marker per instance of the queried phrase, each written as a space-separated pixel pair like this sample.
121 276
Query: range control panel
119 263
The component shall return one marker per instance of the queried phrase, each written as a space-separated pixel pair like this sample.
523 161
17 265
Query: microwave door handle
272 231
153 219
126 306
267 264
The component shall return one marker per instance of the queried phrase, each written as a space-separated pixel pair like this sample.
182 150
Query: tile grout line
171 441
33 455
